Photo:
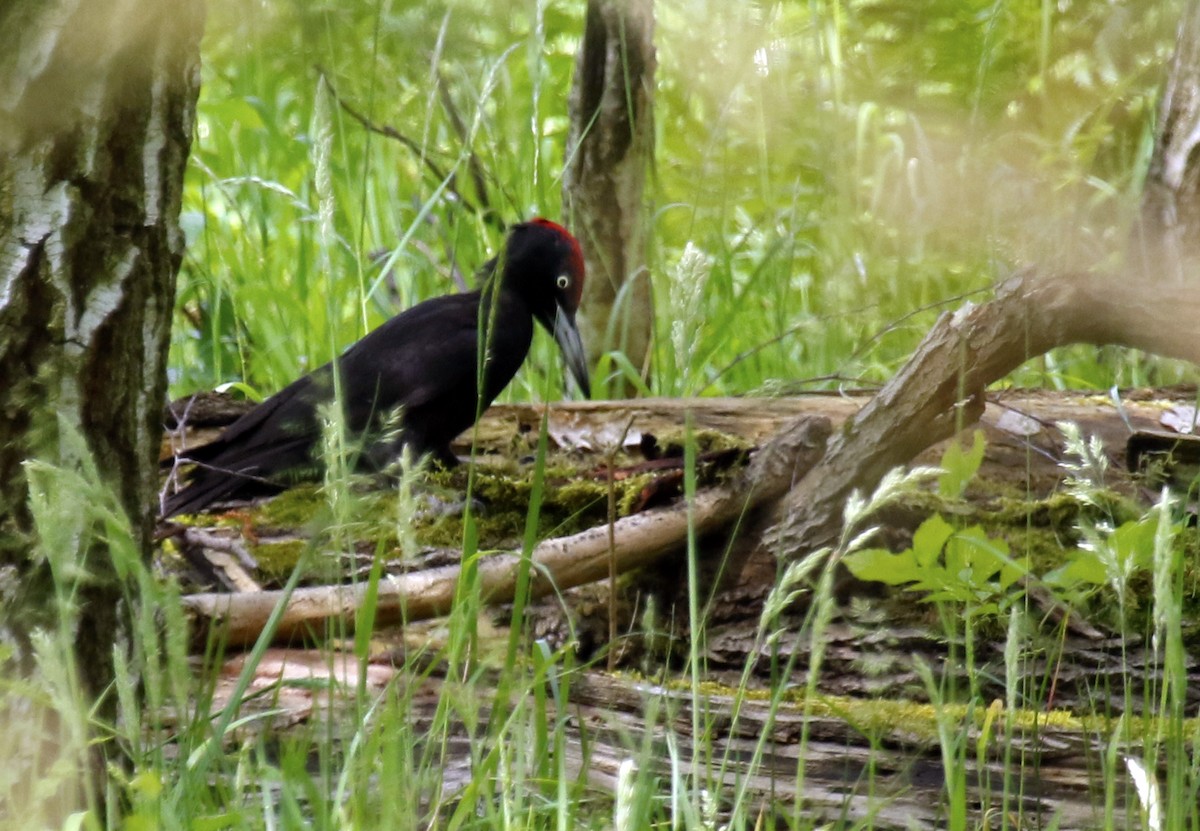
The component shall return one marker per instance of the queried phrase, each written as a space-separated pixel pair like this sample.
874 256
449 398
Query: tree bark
940 389
97 101
609 149
1166 238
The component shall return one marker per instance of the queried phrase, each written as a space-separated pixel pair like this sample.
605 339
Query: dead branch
482 208
940 389
556 564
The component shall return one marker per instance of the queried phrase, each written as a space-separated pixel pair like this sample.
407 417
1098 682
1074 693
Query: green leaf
1130 547
986 556
930 538
237 111
883 566
1133 543
1083 567
960 466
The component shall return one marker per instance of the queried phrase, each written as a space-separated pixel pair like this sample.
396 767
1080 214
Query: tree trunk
1171 200
97 100
610 147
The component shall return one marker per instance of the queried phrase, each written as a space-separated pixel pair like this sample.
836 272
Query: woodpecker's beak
566 333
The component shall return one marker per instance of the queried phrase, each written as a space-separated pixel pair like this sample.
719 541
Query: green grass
829 176
494 720
846 170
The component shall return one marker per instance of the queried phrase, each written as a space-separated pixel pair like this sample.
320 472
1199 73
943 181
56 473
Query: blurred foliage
845 169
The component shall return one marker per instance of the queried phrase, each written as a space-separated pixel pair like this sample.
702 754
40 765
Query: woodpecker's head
544 264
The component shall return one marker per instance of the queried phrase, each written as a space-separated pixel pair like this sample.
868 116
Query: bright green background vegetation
846 170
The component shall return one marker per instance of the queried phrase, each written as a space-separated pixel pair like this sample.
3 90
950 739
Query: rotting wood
556 564
1021 465
1015 418
940 389
860 761
1063 770
886 774
1019 425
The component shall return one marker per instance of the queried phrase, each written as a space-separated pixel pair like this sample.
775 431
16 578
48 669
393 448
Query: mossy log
1020 467
555 564
872 647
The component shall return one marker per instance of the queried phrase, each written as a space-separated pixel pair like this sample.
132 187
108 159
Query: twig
440 175
473 164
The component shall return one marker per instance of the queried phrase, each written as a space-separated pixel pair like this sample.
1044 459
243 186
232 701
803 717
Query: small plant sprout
409 472
946 563
1107 553
1085 462
686 296
793 583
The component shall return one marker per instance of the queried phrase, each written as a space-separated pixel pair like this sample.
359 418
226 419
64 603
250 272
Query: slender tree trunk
97 101
609 150
1167 236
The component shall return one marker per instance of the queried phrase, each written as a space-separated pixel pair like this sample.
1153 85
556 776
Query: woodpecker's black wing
434 377
423 360
260 452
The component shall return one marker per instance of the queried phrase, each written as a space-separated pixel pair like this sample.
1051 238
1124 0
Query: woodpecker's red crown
574 260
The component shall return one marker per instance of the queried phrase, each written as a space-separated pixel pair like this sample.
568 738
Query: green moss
706 440
1046 524
629 500
587 498
882 716
584 497
1056 511
1059 510
918 721
573 500
230 519
276 560
294 508
1039 549
502 490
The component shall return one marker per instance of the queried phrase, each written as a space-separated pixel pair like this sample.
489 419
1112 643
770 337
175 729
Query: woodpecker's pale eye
563 282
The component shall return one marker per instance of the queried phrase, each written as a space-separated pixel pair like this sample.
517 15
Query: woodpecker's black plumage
422 362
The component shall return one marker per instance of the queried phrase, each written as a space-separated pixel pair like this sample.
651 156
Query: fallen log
557 564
